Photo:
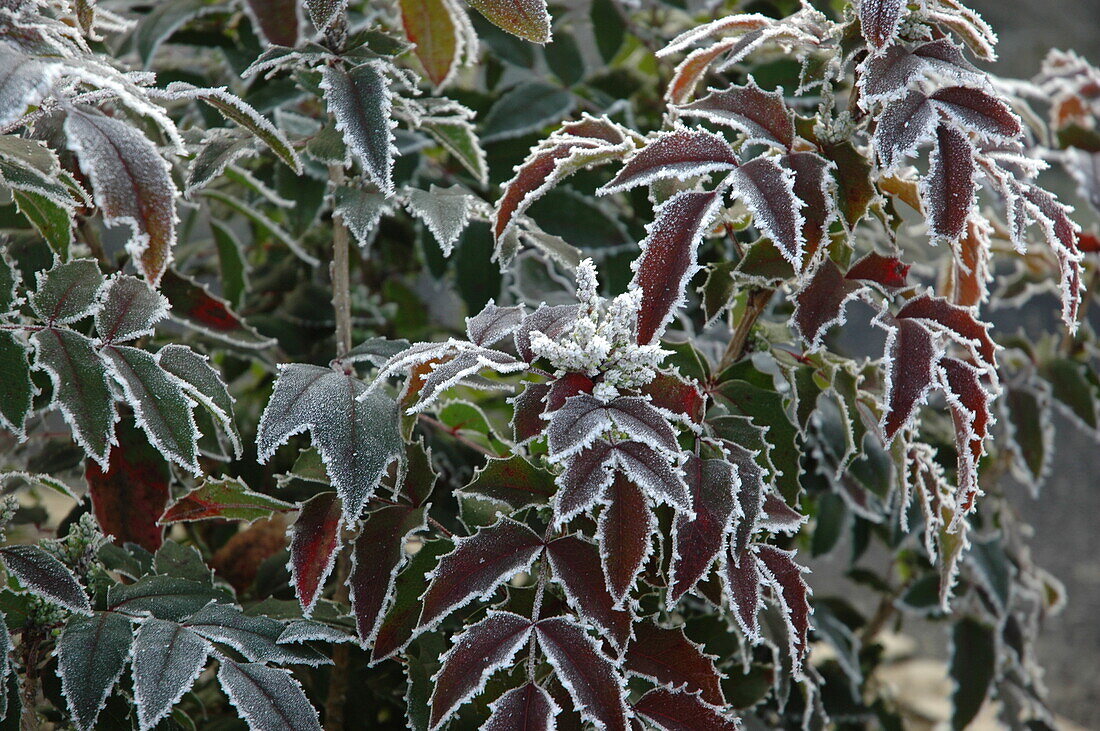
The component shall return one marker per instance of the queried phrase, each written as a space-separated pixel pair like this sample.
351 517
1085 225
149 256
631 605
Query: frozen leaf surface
359 99
879 20
680 154
948 189
201 382
493 323
225 498
67 292
128 497
527 707
26 81
673 710
767 189
527 19
129 310
445 211
92 653
668 658
45 576
314 540
624 533
761 115
577 568
167 660
698 542
268 699
785 576
820 304
379 553
588 675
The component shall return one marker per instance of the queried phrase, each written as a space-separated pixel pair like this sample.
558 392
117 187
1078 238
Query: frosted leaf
167 660
678 154
970 409
493 323
315 539
778 517
307 630
436 367
692 68
904 125
80 388
590 677
731 25
666 657
68 291
958 323
268 699
481 650
578 145
254 636
651 471
322 13
360 100
885 75
624 534
204 384
767 189
742 585
815 187
160 406
1061 234
92 654
584 417
698 542
910 357
445 211
527 19
45 576
129 309
970 27
477 566
442 35
778 569
750 495
527 409
131 185
360 211
528 707
26 82
27 179
671 710
219 149
668 259
354 429
821 302
584 480
761 115
223 499
551 321
380 551
577 569
887 271
880 20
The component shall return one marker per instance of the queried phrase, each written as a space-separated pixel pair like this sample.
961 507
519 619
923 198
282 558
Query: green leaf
565 58
972 666
609 28
92 653
167 660
399 623
234 275
359 99
183 562
765 408
1071 387
255 637
159 24
9 281
129 309
68 292
513 481
526 108
160 406
527 19
201 382
226 498
460 139
220 148
164 597
80 388
1032 436
54 222
269 699
437 33
16 389
23 177
44 576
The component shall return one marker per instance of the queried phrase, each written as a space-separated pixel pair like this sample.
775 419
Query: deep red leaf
910 358
193 305
625 529
889 271
583 482
478 565
903 126
478 652
767 189
130 496
533 178
697 543
743 590
278 20
668 658
590 677
948 190
549 320
820 303
750 495
978 111
811 186
527 408
762 115
681 154
668 258
571 384
959 321
1062 236
970 413
314 541
780 517
576 564
786 578
879 20
528 707
676 396
671 710
650 470
378 553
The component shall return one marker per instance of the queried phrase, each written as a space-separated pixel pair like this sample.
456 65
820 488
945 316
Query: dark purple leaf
314 541
583 482
278 20
750 495
910 358
1062 236
979 112
680 154
624 535
527 408
767 189
549 320
583 418
903 126
666 657
478 565
743 589
590 677
820 304
680 711
879 20
697 543
493 324
576 564
650 470
889 271
813 186
780 517
948 190
785 576
668 259
887 73
959 322
761 115
44 576
379 552
970 412
478 652
527 707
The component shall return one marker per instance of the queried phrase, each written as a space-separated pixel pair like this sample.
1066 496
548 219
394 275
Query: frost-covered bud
8 507
79 548
588 283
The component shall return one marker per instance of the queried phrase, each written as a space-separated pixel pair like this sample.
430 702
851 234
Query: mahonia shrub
729 276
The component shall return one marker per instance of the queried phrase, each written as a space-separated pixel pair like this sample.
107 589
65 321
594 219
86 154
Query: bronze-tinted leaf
668 259
672 710
889 271
904 125
742 580
879 20
527 19
590 676
624 533
820 303
379 552
697 543
791 591
527 408
761 115
978 111
910 358
679 154
767 189
668 658
959 322
527 707
948 190
577 568
314 541
814 187
584 480
549 320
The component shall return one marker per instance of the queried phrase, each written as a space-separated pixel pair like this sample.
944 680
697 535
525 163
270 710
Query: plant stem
339 272
31 649
758 301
